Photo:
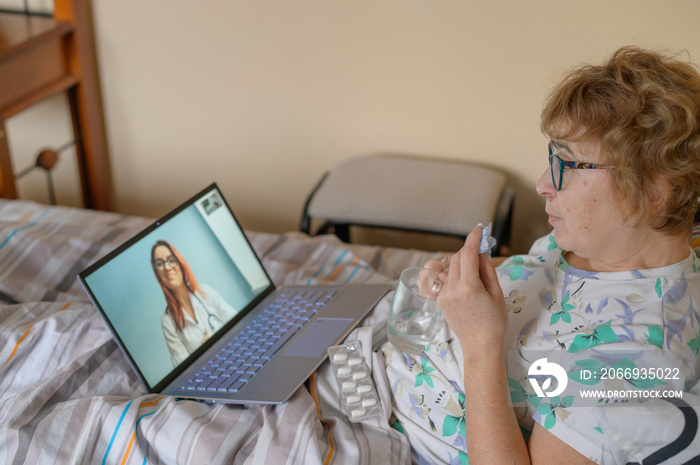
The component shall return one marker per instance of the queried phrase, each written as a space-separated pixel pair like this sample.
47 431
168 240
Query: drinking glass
415 318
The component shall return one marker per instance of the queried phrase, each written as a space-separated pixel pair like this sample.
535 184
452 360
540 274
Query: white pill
358 412
364 388
347 385
344 371
354 361
359 375
339 357
354 399
369 402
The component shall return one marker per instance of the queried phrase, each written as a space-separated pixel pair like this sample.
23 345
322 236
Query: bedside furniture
41 57
429 195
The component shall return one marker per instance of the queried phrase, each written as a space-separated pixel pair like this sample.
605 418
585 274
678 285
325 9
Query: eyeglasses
160 264
557 167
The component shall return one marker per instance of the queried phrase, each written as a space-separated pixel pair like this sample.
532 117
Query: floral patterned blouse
577 341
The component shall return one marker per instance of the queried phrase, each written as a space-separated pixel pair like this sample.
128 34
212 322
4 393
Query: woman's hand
429 284
441 265
471 298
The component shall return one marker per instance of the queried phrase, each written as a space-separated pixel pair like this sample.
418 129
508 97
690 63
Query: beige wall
263 96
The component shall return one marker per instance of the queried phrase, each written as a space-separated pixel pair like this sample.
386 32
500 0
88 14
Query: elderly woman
615 285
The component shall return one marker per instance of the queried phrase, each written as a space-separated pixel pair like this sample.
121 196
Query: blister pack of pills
487 241
354 381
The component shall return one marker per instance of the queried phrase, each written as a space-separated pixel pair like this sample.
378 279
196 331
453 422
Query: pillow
656 431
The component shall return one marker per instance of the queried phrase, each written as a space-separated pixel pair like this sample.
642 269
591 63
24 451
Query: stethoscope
210 314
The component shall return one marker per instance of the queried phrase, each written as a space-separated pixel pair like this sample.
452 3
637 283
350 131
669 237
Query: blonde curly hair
644 109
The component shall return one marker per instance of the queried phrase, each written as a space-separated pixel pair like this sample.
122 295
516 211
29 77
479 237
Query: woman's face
586 214
170 273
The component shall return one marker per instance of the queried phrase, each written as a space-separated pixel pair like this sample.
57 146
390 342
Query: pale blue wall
129 293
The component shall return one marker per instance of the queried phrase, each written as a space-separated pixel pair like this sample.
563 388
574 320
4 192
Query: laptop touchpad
316 339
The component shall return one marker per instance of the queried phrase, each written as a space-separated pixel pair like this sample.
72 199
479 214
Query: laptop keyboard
249 350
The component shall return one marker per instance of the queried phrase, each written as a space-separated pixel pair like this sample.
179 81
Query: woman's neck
652 252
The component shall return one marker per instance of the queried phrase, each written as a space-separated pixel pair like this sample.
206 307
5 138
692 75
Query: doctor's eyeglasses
160 264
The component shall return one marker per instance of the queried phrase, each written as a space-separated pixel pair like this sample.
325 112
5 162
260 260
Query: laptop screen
168 290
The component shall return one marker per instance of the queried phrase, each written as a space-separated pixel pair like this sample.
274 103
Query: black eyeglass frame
160 263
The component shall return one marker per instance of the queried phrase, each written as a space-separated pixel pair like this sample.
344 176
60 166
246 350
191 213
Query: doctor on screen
193 311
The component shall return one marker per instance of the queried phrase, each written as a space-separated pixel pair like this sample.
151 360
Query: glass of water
415 318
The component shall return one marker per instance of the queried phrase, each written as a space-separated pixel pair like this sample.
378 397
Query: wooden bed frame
41 57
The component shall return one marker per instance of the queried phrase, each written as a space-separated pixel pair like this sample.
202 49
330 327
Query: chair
419 194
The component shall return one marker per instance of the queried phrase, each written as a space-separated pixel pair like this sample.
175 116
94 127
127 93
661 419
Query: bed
68 395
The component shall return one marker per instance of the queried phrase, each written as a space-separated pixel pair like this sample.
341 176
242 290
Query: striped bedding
68 395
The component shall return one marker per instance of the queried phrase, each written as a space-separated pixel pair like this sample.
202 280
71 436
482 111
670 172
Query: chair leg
343 232
305 224
502 222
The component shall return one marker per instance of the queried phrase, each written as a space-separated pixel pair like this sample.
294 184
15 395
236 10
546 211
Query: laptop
195 312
